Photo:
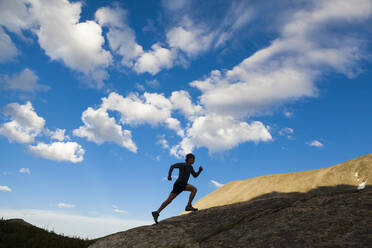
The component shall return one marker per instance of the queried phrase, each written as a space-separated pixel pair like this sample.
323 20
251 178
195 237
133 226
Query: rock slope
320 208
326 217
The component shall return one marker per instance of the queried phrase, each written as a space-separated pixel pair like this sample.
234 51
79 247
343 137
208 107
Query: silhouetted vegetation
16 233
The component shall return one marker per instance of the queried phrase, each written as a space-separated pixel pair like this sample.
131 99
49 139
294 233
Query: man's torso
184 172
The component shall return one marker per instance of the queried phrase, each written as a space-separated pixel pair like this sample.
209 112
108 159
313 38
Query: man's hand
169 178
200 168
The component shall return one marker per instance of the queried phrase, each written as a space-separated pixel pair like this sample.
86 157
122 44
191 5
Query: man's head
190 158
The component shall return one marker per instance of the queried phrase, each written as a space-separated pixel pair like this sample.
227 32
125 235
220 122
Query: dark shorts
178 187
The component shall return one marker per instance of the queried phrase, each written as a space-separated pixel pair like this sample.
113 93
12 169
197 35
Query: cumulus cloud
15 16
99 127
315 143
309 44
64 38
219 133
25 171
56 23
216 184
224 132
5 188
24 124
121 37
58 134
156 59
181 100
59 151
150 108
65 205
8 50
210 130
26 80
190 39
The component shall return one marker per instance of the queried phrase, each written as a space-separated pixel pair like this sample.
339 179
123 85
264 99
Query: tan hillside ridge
355 172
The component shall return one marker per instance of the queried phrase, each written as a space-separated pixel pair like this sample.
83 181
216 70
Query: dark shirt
184 173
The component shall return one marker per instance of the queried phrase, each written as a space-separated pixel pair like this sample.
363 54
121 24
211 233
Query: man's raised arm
196 174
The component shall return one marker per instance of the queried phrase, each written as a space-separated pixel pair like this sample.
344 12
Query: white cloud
63 37
59 151
5 188
119 211
218 133
26 80
184 147
181 100
25 170
140 87
315 143
288 114
59 134
286 131
210 130
121 37
25 124
175 125
156 59
8 50
189 38
14 16
309 45
153 83
163 142
65 205
216 184
236 17
99 127
73 225
151 108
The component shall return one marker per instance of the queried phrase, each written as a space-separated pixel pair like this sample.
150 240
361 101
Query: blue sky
99 98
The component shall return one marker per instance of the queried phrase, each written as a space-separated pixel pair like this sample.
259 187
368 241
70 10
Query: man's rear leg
156 213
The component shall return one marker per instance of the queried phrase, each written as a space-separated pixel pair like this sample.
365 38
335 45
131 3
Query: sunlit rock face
356 172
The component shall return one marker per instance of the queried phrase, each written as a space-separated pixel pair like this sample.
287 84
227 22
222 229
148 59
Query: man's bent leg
193 191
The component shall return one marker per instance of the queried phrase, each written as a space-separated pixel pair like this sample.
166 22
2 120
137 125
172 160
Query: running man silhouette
181 184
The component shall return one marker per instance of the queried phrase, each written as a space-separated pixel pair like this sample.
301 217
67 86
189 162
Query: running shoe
190 208
155 215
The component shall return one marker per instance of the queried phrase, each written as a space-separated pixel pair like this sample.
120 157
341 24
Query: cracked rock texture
325 216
